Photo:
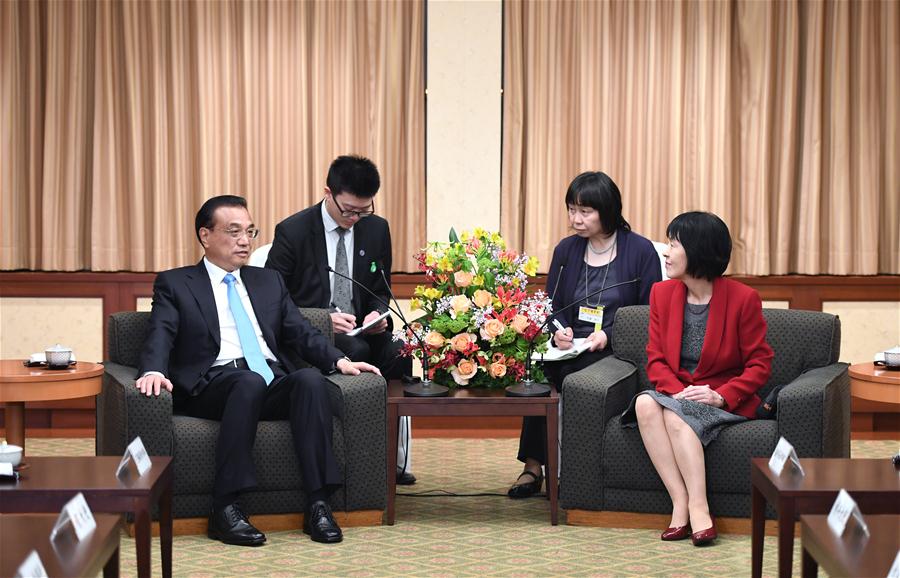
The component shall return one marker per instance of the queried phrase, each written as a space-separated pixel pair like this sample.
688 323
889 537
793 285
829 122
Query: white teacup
58 356
892 358
10 453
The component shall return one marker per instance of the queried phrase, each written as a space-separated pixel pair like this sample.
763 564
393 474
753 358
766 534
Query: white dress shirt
331 240
230 344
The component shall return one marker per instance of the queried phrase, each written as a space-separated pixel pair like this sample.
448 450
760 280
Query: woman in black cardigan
602 252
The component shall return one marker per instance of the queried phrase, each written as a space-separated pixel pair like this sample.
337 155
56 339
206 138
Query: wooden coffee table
471 402
853 554
65 556
873 483
49 483
873 389
19 384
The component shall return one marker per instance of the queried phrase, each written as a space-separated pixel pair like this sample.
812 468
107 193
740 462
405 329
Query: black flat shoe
405 478
528 489
231 526
320 525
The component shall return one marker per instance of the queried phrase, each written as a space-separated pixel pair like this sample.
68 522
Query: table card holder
844 507
77 513
32 567
6 469
784 451
894 572
135 451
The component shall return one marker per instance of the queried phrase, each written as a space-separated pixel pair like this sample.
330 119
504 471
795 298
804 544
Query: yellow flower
419 290
478 281
432 293
531 266
445 265
465 236
415 304
479 232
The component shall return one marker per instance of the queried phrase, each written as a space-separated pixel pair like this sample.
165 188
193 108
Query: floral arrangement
479 320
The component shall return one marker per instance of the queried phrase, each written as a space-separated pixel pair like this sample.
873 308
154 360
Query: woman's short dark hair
706 242
598 191
204 218
355 175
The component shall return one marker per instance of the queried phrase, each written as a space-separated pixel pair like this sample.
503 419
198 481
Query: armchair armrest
360 403
591 397
320 319
814 412
123 413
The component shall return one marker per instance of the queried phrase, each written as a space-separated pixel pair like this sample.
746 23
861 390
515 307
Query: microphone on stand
527 387
425 388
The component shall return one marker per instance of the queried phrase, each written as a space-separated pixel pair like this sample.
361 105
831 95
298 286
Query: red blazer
735 360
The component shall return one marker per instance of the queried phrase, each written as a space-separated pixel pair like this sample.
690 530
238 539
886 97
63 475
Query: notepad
362 328
579 345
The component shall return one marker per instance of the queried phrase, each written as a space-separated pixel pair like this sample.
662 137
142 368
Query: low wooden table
873 483
19 384
471 402
65 557
49 483
853 554
873 390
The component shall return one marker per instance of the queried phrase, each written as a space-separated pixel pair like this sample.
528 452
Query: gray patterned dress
706 421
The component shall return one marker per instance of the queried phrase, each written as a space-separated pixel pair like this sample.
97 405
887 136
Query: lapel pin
362 253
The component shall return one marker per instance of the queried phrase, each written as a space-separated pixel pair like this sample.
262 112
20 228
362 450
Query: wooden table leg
165 528
785 537
552 461
111 568
142 538
15 424
810 568
392 433
758 526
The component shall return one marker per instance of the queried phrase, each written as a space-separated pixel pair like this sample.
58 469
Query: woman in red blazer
707 357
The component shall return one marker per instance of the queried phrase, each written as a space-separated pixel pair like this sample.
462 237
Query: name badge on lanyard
592 315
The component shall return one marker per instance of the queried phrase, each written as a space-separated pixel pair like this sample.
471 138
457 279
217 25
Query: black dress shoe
405 478
527 489
230 525
320 525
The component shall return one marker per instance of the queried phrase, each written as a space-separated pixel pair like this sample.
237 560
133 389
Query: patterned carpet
437 534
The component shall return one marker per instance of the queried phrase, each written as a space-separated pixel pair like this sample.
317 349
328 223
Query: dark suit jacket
300 255
183 340
735 360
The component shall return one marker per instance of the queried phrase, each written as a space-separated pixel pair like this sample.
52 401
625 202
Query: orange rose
434 339
463 278
460 304
520 323
482 298
492 328
461 341
497 370
465 370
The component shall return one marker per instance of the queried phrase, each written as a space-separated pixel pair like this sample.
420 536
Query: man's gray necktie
342 286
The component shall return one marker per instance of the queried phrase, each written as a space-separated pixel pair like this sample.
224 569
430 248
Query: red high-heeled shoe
673 533
704 537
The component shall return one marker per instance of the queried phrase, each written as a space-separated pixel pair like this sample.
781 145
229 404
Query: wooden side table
65 557
873 483
873 390
853 554
19 384
472 402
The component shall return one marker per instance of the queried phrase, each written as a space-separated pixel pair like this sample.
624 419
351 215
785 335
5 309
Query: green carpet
444 535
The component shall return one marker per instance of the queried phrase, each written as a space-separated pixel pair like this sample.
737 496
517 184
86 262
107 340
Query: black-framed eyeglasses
237 232
359 214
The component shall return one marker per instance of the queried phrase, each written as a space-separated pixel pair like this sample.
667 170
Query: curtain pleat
781 117
120 118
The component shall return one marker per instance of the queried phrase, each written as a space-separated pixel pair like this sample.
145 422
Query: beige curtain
782 117
120 118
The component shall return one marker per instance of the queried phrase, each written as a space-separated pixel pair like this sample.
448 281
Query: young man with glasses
342 232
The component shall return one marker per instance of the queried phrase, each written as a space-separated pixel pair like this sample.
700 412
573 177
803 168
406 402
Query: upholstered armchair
605 467
359 404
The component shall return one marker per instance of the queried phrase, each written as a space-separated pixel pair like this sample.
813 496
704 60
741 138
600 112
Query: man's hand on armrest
348 367
151 382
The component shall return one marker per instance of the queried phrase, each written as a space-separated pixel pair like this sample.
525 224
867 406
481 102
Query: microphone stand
425 388
527 387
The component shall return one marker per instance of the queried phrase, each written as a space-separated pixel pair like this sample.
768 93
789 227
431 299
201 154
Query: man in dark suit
223 339
343 232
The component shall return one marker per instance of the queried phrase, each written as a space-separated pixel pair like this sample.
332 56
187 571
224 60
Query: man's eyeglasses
236 233
358 214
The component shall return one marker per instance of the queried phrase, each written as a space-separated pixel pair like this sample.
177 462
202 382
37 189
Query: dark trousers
379 349
533 440
239 398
